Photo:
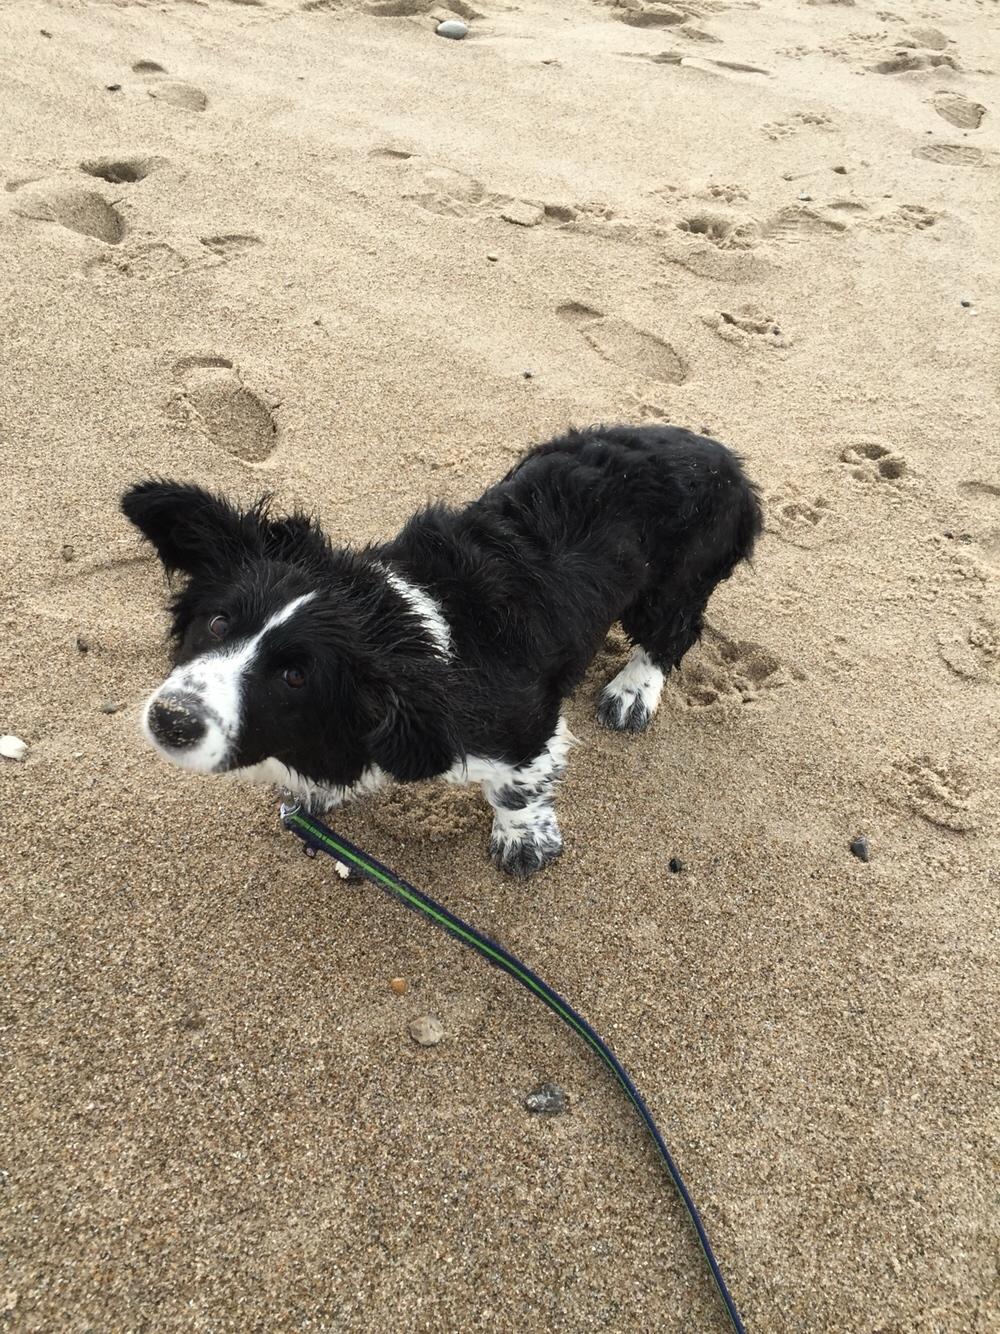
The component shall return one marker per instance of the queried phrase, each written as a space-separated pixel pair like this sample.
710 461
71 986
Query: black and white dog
446 652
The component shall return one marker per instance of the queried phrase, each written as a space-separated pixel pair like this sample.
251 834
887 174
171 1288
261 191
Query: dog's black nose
174 723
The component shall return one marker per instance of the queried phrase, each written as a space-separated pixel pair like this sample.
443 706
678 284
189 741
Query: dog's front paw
624 711
522 854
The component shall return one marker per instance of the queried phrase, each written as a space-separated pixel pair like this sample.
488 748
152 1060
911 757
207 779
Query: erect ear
295 538
415 738
190 528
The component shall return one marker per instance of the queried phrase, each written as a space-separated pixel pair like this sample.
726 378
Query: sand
313 248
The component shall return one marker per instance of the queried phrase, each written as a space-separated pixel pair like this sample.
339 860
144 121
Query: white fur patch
316 796
525 831
634 693
430 614
215 679
499 773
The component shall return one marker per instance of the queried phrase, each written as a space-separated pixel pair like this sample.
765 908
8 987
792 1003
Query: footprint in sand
798 222
688 62
148 261
906 218
73 207
985 494
176 92
957 110
905 62
799 522
231 244
233 415
729 672
725 245
638 15
871 461
950 155
939 790
396 9
978 490
748 326
626 346
454 194
802 120
974 654
179 94
723 231
122 170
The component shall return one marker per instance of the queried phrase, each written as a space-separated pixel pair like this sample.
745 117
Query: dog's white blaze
640 679
425 607
215 678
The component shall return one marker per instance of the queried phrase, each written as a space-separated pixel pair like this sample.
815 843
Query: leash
317 837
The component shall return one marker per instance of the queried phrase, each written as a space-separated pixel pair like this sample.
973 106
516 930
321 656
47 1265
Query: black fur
636 525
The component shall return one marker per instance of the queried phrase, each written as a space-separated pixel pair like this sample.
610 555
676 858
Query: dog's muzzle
176 721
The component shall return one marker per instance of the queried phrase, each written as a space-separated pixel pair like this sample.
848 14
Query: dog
448 651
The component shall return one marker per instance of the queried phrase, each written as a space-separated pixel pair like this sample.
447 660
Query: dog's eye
218 626
294 677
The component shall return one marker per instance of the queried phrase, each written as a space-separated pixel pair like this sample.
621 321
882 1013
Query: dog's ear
415 739
296 538
191 529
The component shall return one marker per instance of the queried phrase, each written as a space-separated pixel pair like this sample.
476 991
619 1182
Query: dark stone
110 706
861 850
675 865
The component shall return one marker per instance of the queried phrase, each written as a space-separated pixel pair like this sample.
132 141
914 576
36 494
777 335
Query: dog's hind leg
526 833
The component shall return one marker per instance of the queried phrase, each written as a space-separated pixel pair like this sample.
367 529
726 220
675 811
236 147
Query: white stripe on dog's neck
421 602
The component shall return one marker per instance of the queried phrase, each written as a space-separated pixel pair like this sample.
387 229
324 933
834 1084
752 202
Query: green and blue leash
318 837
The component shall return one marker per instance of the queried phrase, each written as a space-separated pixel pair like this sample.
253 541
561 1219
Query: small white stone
452 28
426 1030
523 214
13 748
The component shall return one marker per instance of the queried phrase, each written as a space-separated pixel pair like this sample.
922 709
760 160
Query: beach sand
316 249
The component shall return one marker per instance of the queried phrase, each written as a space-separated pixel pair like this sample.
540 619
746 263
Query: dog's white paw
524 851
627 703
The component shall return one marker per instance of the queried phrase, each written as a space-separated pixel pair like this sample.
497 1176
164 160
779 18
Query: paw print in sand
872 461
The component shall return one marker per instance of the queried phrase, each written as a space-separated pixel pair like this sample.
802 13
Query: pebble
398 985
452 28
113 87
83 643
13 748
841 171
492 257
528 375
676 865
426 1030
964 302
110 706
68 551
547 1100
805 197
859 847
523 214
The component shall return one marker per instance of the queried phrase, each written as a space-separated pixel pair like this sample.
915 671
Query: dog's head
288 654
